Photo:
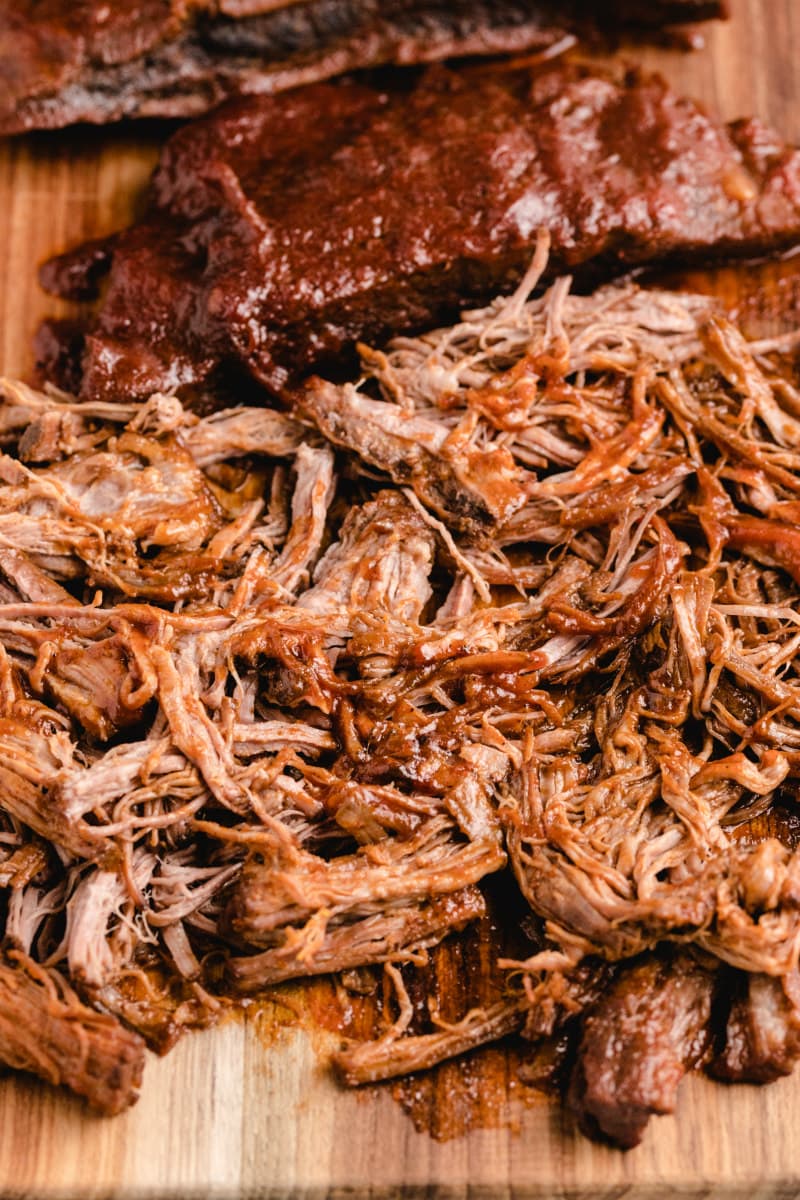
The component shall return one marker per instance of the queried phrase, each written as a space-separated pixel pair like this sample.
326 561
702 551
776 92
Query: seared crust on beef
61 64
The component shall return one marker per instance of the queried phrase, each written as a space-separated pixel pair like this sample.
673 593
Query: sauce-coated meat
91 61
270 710
637 1044
284 229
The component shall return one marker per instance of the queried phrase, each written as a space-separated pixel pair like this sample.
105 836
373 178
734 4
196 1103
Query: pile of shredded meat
279 691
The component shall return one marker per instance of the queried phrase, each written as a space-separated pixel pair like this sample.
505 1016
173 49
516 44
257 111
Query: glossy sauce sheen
284 229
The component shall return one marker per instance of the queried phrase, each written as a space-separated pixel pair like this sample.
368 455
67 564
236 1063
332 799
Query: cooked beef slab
283 229
762 1033
62 63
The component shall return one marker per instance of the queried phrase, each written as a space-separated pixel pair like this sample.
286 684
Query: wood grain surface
250 1108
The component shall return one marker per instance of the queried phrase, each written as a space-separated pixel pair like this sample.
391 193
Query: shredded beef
46 1030
270 710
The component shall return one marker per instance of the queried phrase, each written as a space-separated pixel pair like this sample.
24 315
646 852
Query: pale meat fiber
280 692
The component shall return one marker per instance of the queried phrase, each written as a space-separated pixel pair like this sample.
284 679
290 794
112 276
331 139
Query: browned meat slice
175 60
637 1044
233 264
60 64
762 1033
46 1030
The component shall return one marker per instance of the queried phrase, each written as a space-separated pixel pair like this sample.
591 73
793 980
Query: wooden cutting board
250 1108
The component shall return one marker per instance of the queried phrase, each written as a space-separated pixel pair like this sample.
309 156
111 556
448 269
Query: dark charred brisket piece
762 1032
665 12
58 347
46 1030
423 211
87 61
170 63
638 1042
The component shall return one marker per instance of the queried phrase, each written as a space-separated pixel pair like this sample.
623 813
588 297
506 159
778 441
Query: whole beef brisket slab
81 63
90 61
284 229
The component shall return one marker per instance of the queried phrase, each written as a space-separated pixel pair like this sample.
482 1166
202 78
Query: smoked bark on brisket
90 61
284 229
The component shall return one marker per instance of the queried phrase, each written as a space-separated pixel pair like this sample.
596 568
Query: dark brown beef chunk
165 59
46 1030
762 1033
642 13
285 228
90 61
79 276
58 349
638 1042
